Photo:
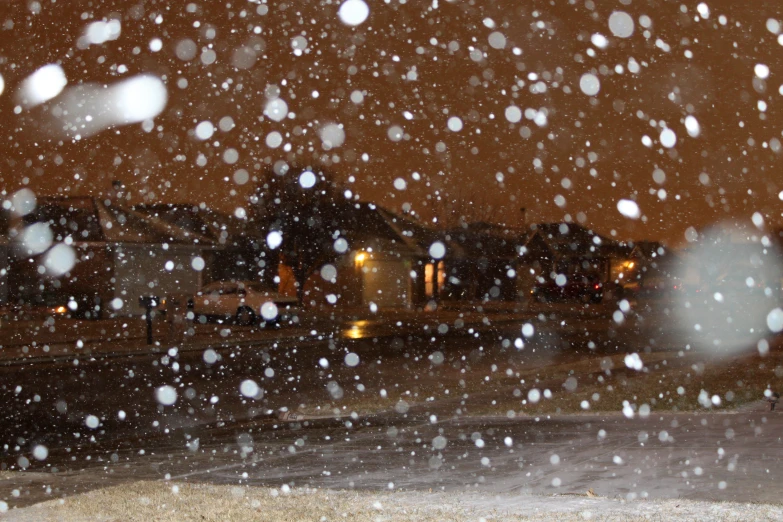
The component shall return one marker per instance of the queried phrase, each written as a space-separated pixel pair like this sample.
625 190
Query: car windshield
391 260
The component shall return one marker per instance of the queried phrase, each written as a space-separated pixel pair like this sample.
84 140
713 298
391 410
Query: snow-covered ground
166 501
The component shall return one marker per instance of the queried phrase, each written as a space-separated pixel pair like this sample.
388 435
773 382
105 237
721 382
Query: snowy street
333 409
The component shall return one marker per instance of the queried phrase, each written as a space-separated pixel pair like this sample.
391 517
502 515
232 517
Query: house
495 262
119 255
243 252
435 250
68 230
578 249
650 263
377 262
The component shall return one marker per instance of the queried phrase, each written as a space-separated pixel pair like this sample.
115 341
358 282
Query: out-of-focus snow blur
87 109
732 284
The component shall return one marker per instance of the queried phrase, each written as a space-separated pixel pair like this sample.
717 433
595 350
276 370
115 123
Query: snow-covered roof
223 229
367 225
481 239
87 219
574 240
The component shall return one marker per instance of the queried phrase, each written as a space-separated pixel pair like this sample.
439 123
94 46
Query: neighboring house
121 255
153 257
243 252
577 249
379 264
495 262
430 274
625 266
652 262
72 225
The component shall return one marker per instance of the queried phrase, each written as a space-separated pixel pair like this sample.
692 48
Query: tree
296 209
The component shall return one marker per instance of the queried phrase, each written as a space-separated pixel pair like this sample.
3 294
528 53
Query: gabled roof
68 217
416 237
647 249
366 222
574 240
481 239
87 219
203 222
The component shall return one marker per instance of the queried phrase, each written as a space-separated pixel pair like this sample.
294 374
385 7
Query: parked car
576 287
245 301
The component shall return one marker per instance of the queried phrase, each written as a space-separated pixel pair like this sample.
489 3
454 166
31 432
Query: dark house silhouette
243 253
494 262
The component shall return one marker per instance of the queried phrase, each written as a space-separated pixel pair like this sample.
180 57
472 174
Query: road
49 395
708 456
101 416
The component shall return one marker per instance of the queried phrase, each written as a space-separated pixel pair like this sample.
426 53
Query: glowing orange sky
432 63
